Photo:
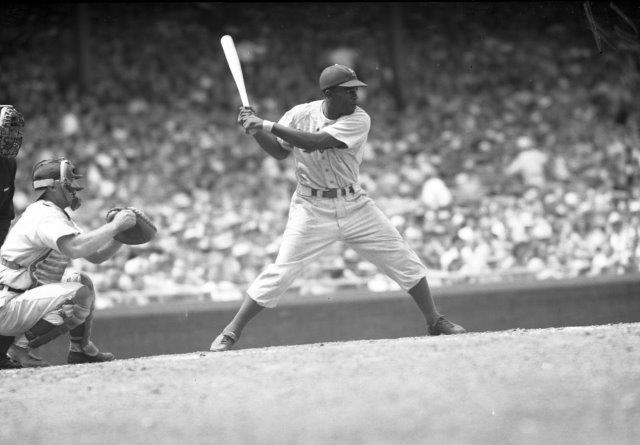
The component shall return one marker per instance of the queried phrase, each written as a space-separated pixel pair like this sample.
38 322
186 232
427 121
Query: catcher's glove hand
11 131
143 232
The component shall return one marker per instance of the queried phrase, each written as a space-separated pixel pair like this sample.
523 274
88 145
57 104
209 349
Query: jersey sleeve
352 130
287 120
51 228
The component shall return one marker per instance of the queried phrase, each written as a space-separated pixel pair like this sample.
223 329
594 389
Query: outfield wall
178 328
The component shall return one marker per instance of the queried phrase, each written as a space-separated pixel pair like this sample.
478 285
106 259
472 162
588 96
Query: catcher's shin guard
43 332
74 312
82 332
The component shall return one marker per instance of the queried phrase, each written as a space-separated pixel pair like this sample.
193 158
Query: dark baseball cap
339 76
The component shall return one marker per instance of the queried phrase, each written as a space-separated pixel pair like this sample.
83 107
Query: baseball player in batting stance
327 139
36 303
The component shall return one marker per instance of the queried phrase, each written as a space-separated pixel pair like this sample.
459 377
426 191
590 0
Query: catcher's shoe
7 363
444 327
75 357
26 357
223 342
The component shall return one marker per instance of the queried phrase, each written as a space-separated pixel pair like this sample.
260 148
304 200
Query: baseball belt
15 266
328 193
11 289
11 265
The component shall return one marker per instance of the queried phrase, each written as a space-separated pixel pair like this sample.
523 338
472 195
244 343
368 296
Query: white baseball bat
231 54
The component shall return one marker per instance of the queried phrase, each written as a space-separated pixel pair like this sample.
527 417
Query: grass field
566 385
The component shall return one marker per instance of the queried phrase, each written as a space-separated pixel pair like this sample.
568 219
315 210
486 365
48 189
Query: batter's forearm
303 139
270 144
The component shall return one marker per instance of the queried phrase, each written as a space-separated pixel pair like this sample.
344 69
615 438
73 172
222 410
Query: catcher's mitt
11 131
143 232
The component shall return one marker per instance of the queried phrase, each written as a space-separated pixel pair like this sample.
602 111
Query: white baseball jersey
352 217
33 244
331 168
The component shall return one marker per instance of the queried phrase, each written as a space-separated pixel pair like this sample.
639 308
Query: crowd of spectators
513 157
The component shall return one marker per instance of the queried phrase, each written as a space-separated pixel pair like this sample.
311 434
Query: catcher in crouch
36 303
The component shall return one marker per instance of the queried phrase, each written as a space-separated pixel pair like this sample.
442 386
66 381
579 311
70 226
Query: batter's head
54 173
339 76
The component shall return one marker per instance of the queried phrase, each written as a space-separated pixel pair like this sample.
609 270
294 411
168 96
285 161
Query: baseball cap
46 172
339 76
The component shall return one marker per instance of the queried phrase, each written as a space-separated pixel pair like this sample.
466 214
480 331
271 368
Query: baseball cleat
223 342
26 357
75 357
444 327
7 363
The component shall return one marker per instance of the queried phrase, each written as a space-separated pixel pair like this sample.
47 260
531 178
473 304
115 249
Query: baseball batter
327 139
36 303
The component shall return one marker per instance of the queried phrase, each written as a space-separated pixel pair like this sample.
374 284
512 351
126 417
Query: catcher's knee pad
81 277
76 310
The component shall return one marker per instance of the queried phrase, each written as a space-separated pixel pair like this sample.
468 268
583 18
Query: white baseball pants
23 311
315 223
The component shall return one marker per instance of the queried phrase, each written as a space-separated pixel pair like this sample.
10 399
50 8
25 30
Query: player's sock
247 311
21 341
421 294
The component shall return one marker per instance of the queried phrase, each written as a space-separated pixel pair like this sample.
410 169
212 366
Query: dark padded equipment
43 332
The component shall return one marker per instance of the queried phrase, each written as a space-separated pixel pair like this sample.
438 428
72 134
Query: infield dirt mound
569 385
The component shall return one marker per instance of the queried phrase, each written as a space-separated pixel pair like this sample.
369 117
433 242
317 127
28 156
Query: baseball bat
233 61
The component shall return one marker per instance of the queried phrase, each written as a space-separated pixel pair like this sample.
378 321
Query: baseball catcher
38 302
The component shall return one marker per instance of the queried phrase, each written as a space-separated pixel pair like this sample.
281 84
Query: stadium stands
514 157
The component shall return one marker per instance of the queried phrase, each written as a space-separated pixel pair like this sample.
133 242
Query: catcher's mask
11 131
53 172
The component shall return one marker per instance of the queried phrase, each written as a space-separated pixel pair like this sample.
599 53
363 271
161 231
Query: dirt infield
579 385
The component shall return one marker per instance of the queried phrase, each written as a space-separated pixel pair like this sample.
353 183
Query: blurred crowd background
504 144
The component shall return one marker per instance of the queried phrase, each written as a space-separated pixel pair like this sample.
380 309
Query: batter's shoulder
304 108
359 112
361 116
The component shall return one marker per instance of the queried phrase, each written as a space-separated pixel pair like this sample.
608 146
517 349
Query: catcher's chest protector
50 268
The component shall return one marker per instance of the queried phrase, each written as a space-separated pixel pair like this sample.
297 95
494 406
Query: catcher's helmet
47 172
51 171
